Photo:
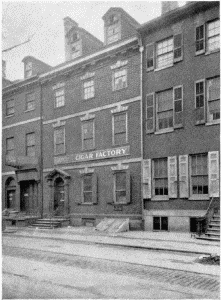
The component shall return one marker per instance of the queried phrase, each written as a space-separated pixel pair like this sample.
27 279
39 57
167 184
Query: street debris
212 259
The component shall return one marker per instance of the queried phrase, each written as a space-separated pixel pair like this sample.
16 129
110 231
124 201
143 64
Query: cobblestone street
32 268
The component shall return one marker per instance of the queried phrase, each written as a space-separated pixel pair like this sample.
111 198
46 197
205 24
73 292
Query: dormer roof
120 10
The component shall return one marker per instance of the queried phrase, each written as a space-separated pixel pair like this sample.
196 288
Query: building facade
181 115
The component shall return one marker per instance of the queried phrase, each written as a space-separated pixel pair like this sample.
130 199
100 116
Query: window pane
121 197
87 181
214 88
156 223
88 144
88 197
199 173
121 181
164 223
120 138
213 43
165 100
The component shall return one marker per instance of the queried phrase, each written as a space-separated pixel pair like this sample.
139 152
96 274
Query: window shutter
150 56
128 186
178 47
183 176
178 106
150 113
213 174
147 178
200 101
172 176
200 39
94 189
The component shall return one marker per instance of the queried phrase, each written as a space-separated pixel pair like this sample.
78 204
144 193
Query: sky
43 21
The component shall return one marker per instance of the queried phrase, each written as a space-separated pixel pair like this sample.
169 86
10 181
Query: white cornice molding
86 171
87 76
58 85
21 123
59 124
119 109
87 117
120 167
119 64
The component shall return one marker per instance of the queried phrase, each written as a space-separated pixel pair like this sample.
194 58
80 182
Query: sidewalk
167 241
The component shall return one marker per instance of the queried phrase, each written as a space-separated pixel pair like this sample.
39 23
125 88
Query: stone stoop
47 223
213 230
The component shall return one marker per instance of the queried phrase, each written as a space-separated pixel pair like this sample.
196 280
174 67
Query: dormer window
76 49
113 32
28 69
74 37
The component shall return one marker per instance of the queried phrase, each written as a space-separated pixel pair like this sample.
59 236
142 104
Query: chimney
68 24
167 6
3 68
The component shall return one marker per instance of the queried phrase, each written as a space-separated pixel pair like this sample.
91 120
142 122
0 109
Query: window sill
89 98
199 197
29 110
211 52
118 203
121 145
150 69
164 131
200 53
213 123
119 89
58 154
159 69
59 107
88 150
9 116
200 123
160 198
87 204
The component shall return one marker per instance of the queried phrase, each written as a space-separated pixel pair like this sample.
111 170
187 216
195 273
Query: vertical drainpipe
141 49
41 150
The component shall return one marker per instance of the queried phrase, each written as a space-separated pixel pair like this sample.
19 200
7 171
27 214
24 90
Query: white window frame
8 108
59 87
32 101
160 55
113 127
82 133
55 144
207 36
159 197
88 91
198 196
168 129
216 121
114 77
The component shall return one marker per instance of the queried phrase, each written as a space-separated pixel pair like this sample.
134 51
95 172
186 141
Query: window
10 147
165 109
119 79
113 30
76 49
10 107
160 223
30 101
59 94
120 187
120 129
87 188
212 32
88 135
160 174
88 89
28 69
199 174
30 144
213 100
168 52
213 97
74 37
59 141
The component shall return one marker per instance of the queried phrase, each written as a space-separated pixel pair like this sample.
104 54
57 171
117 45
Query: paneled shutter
200 39
200 101
128 186
147 178
172 176
178 106
94 188
213 174
150 113
150 56
183 176
178 47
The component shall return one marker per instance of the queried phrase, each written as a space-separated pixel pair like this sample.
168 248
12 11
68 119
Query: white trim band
21 123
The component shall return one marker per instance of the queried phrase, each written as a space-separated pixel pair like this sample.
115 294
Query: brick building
181 115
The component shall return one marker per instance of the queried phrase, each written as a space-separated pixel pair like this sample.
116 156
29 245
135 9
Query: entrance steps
113 225
52 223
213 230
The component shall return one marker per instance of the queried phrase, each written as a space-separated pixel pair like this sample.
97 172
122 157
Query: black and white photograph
110 185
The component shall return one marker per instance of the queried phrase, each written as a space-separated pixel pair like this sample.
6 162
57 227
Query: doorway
29 197
58 197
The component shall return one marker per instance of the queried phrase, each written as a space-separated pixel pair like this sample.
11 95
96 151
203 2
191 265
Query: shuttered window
200 101
88 135
160 173
213 97
164 109
30 144
199 174
150 113
87 188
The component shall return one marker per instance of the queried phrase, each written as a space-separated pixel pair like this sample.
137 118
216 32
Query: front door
28 199
59 197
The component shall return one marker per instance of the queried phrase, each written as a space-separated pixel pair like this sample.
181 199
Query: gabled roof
76 28
131 20
29 57
57 172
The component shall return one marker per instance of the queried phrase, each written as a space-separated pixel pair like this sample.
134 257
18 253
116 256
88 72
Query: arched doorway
10 193
59 197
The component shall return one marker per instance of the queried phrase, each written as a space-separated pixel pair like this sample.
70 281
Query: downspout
41 151
141 49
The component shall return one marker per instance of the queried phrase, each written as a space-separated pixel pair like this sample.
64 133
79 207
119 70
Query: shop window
30 101
120 129
88 141
30 144
119 79
59 141
10 107
160 223
207 37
